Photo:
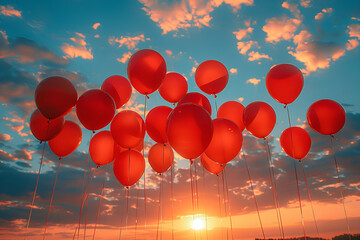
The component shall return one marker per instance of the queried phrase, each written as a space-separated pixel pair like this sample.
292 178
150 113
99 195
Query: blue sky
88 41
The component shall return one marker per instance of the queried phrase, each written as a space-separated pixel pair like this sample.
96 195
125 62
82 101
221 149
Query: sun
198 224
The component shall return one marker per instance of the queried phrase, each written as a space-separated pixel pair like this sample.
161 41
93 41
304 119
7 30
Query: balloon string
229 205
192 194
224 202
51 199
37 180
219 198
136 211
83 188
297 185
101 196
84 199
205 207
312 208
87 202
254 196
196 189
35 190
273 189
127 207
339 181
122 215
172 200
216 108
143 152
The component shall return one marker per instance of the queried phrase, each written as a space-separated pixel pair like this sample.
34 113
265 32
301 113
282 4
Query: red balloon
128 167
211 76
118 148
174 87
298 138
55 97
119 89
259 119
284 82
226 141
196 98
127 129
210 165
67 140
189 130
233 111
155 123
326 116
95 109
146 71
161 157
42 128
101 148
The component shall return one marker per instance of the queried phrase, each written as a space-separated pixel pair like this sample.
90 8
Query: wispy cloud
96 25
129 42
125 57
233 70
10 11
255 56
254 81
321 14
280 28
79 49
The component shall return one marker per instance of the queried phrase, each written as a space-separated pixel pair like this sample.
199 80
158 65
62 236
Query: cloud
187 13
10 11
23 50
255 56
354 30
243 33
315 54
243 47
241 99
96 36
281 28
169 52
79 49
351 44
129 42
125 57
305 3
233 70
254 81
320 15
292 8
96 25
5 137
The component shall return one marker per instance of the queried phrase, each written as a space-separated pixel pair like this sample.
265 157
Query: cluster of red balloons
188 128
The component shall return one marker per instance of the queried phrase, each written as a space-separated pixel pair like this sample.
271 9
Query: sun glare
198 224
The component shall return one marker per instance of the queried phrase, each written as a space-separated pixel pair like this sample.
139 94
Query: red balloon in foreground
233 111
189 130
67 140
259 119
174 87
119 89
118 148
101 148
284 82
42 128
128 167
196 98
55 97
211 76
127 129
161 157
298 138
326 116
210 165
146 71
226 141
95 109
155 123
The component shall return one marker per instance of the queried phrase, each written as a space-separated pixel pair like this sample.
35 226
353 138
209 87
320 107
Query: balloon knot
265 138
160 174
97 166
93 131
191 162
285 105
41 142
48 121
221 165
127 187
147 96
59 158
332 136
215 95
174 104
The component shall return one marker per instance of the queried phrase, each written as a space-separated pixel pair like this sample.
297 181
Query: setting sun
198 224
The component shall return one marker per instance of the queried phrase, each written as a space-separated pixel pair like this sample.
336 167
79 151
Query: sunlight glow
198 224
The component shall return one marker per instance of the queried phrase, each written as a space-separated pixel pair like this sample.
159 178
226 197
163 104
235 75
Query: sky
88 41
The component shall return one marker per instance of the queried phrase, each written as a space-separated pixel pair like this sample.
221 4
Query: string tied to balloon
101 196
298 190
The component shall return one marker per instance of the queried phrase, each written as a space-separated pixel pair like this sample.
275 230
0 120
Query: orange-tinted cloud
354 30
169 52
5 137
187 13
281 28
351 44
254 56
315 55
79 49
233 70
305 3
254 81
125 57
243 47
129 42
243 33
10 11
320 15
96 25
293 8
